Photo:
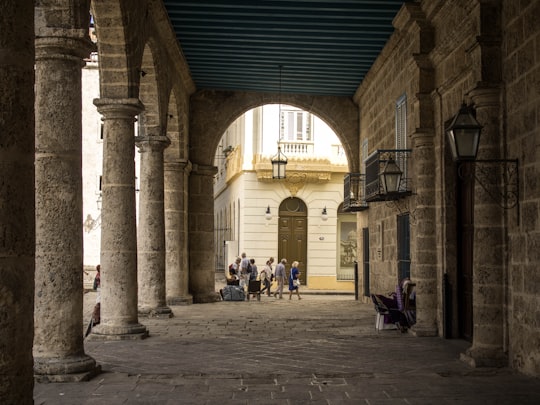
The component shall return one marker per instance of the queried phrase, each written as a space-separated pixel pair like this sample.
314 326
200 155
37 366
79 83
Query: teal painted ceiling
317 47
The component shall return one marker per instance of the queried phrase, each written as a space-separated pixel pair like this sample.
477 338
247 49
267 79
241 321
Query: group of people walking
245 270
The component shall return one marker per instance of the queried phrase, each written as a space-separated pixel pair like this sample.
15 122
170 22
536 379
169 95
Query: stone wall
444 53
395 73
521 76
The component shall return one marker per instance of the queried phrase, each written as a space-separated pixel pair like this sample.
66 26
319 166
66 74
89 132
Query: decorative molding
234 163
299 172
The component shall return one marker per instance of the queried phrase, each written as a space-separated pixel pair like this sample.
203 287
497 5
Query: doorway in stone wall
465 232
404 247
292 234
365 261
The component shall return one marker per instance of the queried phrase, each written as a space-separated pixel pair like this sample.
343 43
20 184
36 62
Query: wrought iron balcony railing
375 166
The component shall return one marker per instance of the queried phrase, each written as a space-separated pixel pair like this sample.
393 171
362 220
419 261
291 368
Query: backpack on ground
233 293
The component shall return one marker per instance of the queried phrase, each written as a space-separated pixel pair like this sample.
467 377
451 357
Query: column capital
112 108
204 170
152 143
423 138
178 165
484 95
73 43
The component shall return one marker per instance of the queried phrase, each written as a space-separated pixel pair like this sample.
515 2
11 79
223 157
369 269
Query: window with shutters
401 132
401 122
296 126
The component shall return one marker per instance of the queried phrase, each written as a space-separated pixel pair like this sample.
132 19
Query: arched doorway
292 234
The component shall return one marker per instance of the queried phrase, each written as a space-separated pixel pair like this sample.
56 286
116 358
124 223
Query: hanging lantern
464 135
279 164
390 177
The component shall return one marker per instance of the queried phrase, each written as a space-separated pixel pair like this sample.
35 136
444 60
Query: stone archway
211 114
213 111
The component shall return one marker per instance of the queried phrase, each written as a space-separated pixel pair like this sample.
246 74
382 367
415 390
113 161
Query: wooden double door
293 235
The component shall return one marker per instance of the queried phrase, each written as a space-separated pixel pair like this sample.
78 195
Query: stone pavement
323 349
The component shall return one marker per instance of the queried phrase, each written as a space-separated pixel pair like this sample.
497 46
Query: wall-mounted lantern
498 177
387 175
464 134
268 214
390 177
324 214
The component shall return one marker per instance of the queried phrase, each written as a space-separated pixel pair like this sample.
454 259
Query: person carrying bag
294 280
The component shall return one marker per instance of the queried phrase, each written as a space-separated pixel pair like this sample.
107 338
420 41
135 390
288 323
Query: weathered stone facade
520 54
490 61
58 332
484 52
17 238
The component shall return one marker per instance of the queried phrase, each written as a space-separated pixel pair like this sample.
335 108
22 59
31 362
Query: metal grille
354 192
374 166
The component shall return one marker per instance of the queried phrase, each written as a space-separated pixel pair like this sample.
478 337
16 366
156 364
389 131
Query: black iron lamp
464 134
499 178
279 161
324 214
279 165
390 177
268 214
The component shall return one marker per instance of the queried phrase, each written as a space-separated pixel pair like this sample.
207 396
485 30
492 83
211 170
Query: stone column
424 270
58 314
17 223
487 348
119 316
201 234
177 268
151 230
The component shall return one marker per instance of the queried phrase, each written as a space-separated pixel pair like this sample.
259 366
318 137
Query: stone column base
184 300
70 369
128 332
484 357
161 312
206 298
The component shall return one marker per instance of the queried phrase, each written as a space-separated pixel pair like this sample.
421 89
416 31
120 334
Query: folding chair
385 313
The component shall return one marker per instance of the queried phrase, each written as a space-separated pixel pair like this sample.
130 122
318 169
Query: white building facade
92 167
299 217
92 161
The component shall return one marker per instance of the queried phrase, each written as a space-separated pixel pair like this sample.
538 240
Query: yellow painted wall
328 283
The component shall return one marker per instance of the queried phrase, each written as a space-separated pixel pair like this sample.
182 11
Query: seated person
400 308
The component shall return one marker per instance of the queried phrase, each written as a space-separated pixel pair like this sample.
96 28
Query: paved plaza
322 349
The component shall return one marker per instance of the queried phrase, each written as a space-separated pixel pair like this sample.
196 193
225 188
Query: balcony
290 148
376 165
353 192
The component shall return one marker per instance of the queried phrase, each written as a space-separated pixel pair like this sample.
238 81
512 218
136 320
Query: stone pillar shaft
424 271
58 341
151 230
119 316
177 267
17 236
488 264
201 234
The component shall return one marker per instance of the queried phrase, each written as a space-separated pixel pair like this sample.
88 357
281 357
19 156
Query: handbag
296 282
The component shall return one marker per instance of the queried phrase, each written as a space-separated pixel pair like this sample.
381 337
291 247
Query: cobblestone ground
320 350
